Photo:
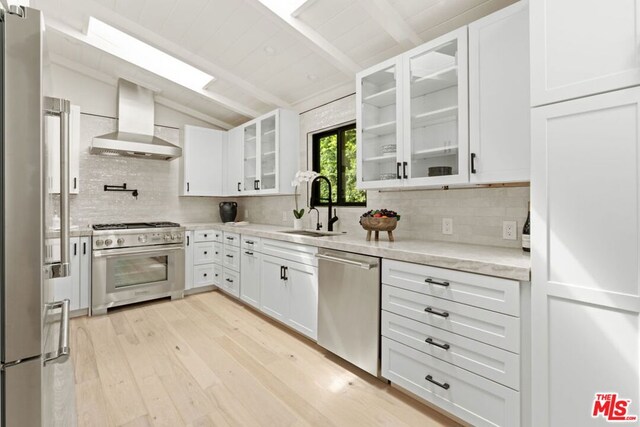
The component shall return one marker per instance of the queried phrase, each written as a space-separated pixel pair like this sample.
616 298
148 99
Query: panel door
379 118
580 48
585 270
232 167
203 149
188 260
499 112
85 272
302 281
435 112
274 293
250 275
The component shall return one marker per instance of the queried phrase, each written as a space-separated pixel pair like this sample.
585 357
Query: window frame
315 162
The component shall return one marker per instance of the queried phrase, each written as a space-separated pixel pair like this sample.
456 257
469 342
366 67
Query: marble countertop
509 263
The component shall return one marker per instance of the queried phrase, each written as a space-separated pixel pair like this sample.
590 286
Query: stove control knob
142 238
99 242
121 241
167 237
108 242
174 237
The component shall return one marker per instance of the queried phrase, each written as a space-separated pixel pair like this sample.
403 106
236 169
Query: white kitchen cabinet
52 133
302 281
289 289
419 103
250 276
201 161
499 106
581 48
77 286
270 147
232 167
585 237
188 260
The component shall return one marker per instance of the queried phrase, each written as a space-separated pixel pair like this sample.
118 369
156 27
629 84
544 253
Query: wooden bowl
378 224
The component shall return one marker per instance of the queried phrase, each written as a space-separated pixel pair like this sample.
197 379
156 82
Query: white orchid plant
301 176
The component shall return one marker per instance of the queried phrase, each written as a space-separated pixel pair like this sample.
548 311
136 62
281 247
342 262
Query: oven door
122 276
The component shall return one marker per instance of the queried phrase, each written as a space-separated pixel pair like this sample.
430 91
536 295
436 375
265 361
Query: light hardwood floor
207 360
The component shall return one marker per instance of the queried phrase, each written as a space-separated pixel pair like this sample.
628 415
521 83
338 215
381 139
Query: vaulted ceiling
261 59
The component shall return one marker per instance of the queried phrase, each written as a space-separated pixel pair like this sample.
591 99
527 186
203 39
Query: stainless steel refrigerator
34 330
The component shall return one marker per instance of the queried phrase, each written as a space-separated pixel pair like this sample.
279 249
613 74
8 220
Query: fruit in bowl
380 220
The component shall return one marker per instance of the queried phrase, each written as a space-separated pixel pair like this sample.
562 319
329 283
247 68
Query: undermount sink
310 233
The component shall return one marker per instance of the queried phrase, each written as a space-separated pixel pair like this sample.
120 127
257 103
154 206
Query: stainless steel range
135 262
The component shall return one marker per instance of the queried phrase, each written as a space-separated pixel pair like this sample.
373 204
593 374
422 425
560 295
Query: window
334 156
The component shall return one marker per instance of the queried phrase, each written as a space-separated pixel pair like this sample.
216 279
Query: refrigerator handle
62 108
62 353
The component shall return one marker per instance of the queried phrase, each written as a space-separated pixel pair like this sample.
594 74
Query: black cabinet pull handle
205 236
187 187
286 269
205 274
229 256
258 184
187 240
255 184
249 242
404 170
216 275
398 171
435 282
217 253
281 272
84 248
473 162
437 313
75 183
229 280
248 253
432 342
75 249
230 238
239 186
205 252
431 380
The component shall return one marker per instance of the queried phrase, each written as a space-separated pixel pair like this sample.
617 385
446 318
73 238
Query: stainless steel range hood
134 137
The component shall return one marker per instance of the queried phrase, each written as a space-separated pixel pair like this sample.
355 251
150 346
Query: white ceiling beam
92 8
112 81
391 21
305 5
230 104
312 38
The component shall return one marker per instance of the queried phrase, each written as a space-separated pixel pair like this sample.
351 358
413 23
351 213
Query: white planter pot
298 224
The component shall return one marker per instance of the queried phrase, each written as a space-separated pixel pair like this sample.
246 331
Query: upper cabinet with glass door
380 124
270 148
435 111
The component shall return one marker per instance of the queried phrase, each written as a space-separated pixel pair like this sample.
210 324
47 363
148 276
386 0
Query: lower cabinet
289 293
76 287
203 259
250 261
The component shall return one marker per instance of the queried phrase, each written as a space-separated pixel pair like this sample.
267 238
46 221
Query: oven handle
132 251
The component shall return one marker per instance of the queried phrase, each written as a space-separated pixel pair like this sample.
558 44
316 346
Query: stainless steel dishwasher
349 307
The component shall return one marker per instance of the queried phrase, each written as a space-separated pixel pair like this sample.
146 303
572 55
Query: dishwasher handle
363 265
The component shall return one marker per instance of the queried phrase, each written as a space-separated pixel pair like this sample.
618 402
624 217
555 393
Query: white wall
99 98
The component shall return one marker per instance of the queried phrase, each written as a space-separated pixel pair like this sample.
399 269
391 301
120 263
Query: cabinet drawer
476 400
231 282
485 360
231 258
251 243
203 275
290 251
207 236
203 253
486 326
231 239
218 253
492 293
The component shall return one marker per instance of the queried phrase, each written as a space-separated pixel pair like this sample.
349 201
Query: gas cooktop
135 225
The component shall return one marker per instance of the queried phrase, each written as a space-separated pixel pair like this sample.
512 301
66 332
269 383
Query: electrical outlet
284 216
447 226
509 230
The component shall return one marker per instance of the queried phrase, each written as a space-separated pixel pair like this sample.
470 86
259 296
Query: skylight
286 7
130 49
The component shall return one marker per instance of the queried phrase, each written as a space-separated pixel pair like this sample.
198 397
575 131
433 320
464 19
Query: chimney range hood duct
134 137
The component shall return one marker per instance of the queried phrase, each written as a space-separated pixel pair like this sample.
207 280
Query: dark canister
228 211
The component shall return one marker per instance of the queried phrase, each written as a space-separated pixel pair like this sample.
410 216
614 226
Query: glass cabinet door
379 144
436 116
268 165
250 153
